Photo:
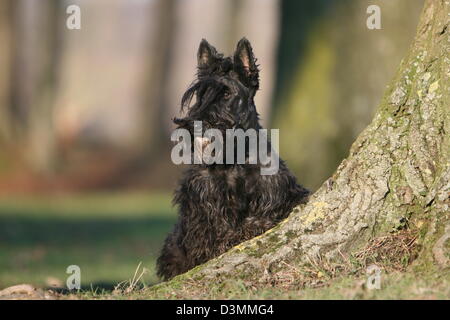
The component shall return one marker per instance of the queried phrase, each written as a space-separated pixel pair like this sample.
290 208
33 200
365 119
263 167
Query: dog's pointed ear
206 55
245 63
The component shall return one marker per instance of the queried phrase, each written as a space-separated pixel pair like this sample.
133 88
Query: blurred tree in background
31 33
5 63
332 73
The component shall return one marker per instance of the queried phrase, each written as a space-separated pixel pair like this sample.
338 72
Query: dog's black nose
178 121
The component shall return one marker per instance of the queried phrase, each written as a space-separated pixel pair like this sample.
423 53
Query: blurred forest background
85 115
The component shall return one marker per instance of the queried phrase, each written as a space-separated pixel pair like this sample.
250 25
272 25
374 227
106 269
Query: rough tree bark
397 175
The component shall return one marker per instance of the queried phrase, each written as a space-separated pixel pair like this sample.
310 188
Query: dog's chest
228 192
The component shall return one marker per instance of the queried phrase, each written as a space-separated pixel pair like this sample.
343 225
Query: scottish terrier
222 205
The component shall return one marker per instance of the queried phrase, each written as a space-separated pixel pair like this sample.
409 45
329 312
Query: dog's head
224 90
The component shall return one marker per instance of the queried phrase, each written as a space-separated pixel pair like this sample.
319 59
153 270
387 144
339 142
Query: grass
106 235
115 239
395 285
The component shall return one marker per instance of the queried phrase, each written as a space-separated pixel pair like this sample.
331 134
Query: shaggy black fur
223 205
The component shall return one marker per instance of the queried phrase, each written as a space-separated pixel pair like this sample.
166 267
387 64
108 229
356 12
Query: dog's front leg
172 260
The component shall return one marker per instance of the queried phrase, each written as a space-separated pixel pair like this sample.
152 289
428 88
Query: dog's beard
207 151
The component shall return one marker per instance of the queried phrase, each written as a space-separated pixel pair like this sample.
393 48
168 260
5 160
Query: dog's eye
226 94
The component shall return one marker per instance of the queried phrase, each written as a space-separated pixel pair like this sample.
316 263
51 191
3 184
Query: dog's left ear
245 63
206 55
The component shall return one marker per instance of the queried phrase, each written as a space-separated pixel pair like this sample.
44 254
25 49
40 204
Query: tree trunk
5 69
34 66
154 93
395 180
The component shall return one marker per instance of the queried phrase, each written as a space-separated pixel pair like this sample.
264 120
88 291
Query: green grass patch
106 235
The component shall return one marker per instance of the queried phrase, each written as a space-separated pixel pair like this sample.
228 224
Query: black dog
222 205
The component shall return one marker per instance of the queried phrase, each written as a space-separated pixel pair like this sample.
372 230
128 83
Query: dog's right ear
206 55
245 64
